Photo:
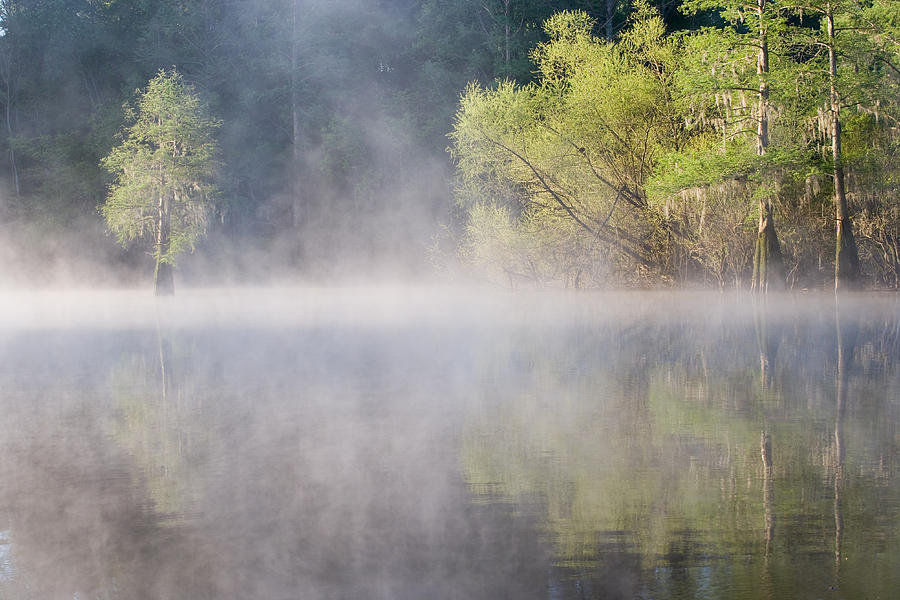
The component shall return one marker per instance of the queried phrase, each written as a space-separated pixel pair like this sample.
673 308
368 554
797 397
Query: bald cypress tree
841 62
164 173
734 67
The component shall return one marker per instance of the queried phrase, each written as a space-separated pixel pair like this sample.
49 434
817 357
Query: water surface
422 443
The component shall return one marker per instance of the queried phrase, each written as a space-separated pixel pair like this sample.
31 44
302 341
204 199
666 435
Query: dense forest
580 143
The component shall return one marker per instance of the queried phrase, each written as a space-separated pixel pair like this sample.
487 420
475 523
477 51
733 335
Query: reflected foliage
673 446
588 446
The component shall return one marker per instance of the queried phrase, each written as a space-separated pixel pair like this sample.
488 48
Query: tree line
333 118
758 151
598 142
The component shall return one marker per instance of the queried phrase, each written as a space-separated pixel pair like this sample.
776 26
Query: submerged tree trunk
163 279
768 262
846 258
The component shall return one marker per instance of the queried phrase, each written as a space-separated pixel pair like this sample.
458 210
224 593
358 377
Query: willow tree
574 151
164 171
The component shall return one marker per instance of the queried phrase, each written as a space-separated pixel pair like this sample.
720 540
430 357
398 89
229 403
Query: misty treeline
332 145
758 150
598 142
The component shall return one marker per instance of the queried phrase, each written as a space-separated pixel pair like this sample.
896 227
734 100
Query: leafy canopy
165 165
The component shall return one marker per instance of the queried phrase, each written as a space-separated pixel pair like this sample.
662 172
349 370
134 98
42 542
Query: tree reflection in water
653 451
578 448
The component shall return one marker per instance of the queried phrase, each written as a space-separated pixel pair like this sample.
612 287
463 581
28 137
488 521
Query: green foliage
537 247
165 163
571 150
654 141
336 120
569 26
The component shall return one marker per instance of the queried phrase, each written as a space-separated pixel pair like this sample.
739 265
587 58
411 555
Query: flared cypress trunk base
163 280
768 262
846 258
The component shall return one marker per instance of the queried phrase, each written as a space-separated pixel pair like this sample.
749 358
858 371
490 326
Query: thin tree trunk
9 130
768 262
163 280
296 208
846 259
610 13
506 40
762 69
12 151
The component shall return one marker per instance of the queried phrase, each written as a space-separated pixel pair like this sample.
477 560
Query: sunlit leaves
166 161
577 146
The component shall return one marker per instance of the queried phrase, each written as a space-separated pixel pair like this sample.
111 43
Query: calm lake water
396 443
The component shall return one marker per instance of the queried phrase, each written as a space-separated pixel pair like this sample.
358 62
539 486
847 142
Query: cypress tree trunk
846 258
762 69
163 280
768 262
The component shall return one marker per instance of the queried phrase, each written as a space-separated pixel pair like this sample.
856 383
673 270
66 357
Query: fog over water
383 441
416 442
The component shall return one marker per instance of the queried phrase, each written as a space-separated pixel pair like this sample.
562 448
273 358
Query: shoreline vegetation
652 144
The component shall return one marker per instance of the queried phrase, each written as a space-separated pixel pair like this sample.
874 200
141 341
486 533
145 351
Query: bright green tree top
164 168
